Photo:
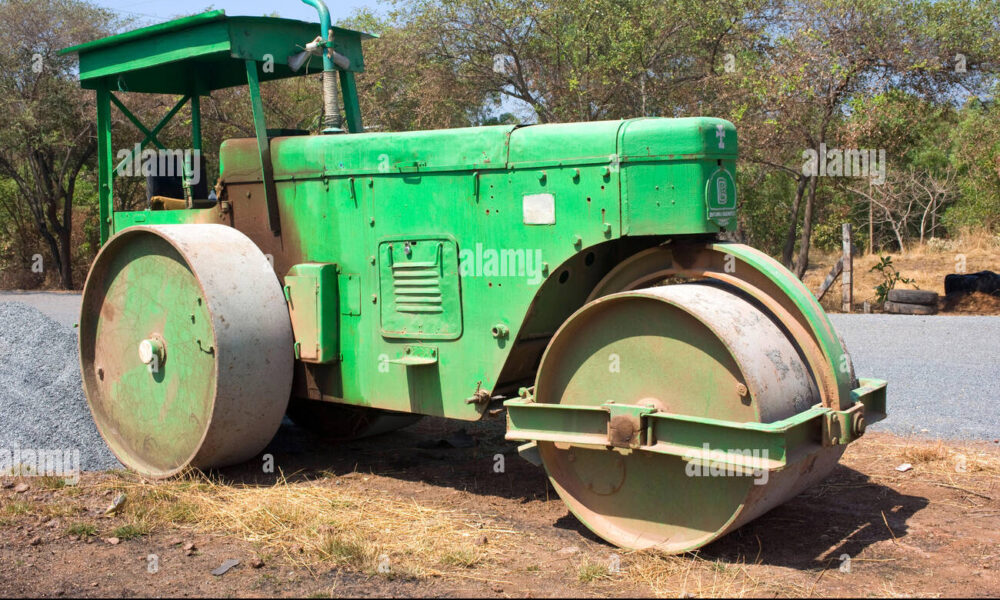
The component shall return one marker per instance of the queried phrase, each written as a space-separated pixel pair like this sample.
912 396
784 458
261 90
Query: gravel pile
42 405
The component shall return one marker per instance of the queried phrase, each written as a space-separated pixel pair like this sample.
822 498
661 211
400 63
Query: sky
155 11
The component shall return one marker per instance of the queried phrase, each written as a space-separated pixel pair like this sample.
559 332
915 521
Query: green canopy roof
205 52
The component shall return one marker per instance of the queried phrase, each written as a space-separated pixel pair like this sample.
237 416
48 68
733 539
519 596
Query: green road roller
575 276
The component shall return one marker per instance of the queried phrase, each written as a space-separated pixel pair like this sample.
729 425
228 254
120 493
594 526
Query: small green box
311 290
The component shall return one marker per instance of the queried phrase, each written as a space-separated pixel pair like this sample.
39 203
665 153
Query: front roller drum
185 348
703 350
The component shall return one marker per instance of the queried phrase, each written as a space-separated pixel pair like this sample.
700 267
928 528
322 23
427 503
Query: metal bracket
480 396
416 356
625 424
744 445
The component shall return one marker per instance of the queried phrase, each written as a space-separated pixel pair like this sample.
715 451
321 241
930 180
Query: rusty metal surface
222 388
695 349
834 374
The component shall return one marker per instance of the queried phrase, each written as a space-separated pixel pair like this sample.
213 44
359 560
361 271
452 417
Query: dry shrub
926 264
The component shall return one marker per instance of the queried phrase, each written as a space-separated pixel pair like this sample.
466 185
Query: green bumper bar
750 446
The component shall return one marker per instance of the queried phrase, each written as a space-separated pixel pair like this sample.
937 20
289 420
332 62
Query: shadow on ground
844 514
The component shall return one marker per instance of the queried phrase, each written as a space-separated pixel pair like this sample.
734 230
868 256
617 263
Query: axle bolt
860 425
151 349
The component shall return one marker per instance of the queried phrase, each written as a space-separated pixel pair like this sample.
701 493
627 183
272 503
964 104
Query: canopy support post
264 147
352 110
105 196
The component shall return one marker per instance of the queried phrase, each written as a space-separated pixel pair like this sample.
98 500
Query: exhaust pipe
332 121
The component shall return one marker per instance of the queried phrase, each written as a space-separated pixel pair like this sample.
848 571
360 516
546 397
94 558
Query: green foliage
82 530
890 277
765 197
130 531
849 73
977 157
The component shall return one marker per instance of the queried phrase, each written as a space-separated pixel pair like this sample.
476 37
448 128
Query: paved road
61 306
943 371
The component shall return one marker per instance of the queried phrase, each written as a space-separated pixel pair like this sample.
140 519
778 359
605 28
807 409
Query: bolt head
151 349
146 351
860 425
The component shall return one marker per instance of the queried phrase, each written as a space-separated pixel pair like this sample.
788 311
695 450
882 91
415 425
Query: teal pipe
325 24
332 120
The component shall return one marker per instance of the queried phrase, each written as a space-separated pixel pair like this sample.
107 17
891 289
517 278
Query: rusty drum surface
185 347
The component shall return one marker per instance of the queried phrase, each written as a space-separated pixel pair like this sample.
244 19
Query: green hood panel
485 148
677 139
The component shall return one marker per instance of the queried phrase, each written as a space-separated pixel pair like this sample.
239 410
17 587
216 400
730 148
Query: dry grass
926 264
82 530
972 469
693 576
591 571
320 523
19 507
314 522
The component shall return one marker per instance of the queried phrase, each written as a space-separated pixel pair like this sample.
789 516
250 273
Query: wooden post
871 222
847 280
830 278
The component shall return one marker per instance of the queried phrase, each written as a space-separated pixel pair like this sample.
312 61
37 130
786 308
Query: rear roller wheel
705 350
185 348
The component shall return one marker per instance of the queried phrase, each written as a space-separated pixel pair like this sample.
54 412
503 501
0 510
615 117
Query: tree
406 84
584 61
825 53
46 121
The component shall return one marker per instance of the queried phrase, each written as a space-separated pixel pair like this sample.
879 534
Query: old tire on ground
903 308
343 422
926 297
185 347
694 349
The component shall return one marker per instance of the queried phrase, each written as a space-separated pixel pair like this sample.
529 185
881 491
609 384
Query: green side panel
411 153
350 294
666 166
418 281
345 198
313 297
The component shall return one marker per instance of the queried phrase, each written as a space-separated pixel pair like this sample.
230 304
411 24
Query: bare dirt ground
411 514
